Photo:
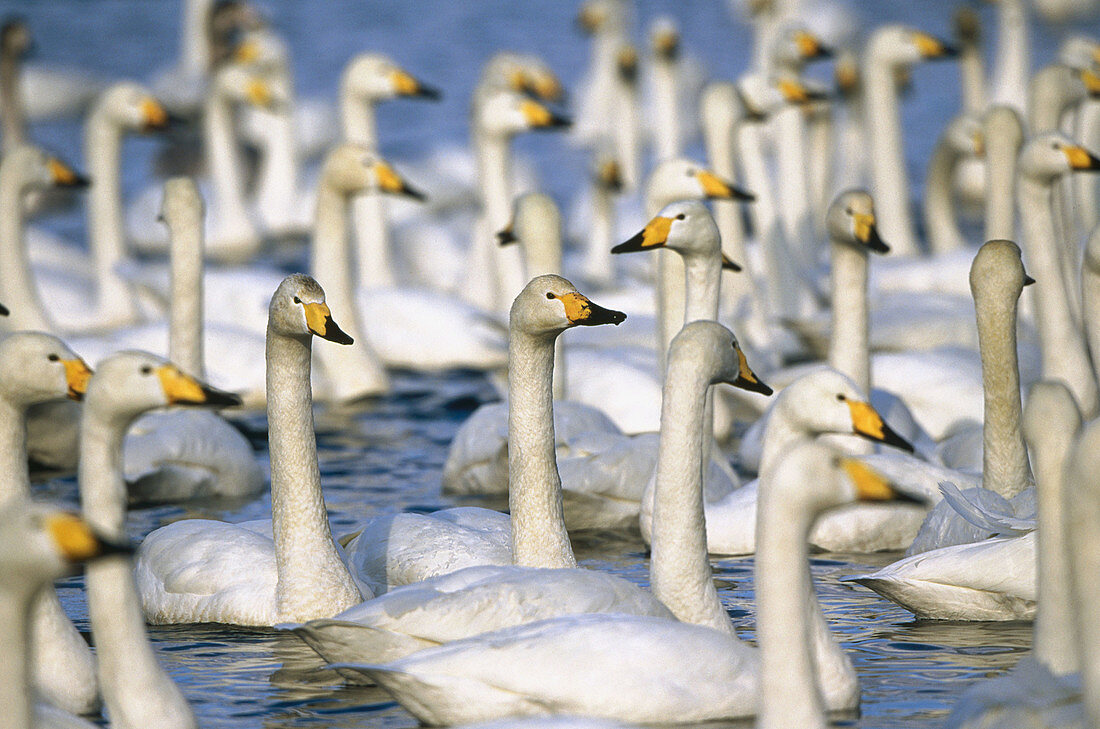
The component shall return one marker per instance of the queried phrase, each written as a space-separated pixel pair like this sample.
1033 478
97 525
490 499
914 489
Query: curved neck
16 283
940 222
849 350
539 538
891 187
311 571
185 326
784 602
679 573
357 118
16 694
102 150
1004 454
223 162
12 121
16 482
1063 352
667 143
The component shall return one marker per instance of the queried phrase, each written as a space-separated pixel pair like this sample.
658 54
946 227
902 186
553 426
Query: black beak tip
4 310
1028 280
334 333
630 246
743 195
412 192
559 122
428 92
825 52
504 237
728 265
78 182
221 398
950 51
889 437
756 386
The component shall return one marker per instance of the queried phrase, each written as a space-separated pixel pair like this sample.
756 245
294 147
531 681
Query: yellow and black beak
506 236
654 235
1081 159
1091 79
405 84
872 486
609 176
867 234
182 389
539 117
715 188
391 182
931 47
666 45
810 47
1028 280
76 540
796 92
589 20
546 86
729 264
247 52
77 375
319 320
582 312
153 116
259 93
746 378
627 64
868 423
4 310
64 176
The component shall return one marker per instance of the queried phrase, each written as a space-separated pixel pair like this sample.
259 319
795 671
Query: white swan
607 21
285 569
679 671
39 544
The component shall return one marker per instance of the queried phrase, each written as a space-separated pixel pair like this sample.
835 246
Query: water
388 454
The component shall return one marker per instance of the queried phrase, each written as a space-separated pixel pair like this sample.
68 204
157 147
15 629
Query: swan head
523 74
37 170
795 46
130 383
720 106
997 267
549 304
262 49
243 84
598 17
761 96
298 309
827 401
720 353
1080 52
16 40
39 543
371 77
131 107
683 179
536 221
626 64
503 113
664 39
608 174
1047 157
36 367
898 45
686 227
966 135
851 220
352 169
846 74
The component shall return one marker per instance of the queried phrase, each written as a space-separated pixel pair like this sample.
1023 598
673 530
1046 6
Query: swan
996 579
454 606
36 368
607 22
262 573
679 671
40 544
889 48
405 548
1012 59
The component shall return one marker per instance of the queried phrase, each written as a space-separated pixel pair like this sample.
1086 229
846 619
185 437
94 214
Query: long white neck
940 221
795 210
598 266
679 573
1004 455
372 241
667 143
1090 298
13 452
494 160
784 601
194 43
849 349
357 118
1087 187
1082 514
15 670
136 690
224 164
1004 135
1011 65
352 371
972 77
820 170
276 196
539 538
16 283
1063 354
312 574
626 131
12 121
891 187
185 312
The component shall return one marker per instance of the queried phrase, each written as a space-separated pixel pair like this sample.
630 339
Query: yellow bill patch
807 43
656 232
1079 158
928 46
317 317
1091 80
77 375
666 42
713 186
547 86
865 420
388 179
153 114
73 537
576 307
517 80
609 174
864 224
793 91
536 114
404 83
178 387
979 143
259 92
247 52
743 369
62 174
870 484
847 75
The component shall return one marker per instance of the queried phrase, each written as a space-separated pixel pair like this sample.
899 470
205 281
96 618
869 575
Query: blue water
388 454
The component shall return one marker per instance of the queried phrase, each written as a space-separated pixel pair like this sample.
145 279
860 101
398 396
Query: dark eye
848 210
681 216
146 370
297 300
53 358
1054 145
549 294
840 396
691 173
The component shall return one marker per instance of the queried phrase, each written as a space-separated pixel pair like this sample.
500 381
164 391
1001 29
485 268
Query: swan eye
681 216
840 396
549 294
297 300
1055 145
690 173
849 211
146 370
53 358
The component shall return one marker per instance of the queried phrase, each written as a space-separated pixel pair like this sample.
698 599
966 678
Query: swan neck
223 161
790 125
940 221
721 156
494 175
702 278
598 266
330 263
12 121
13 452
890 188
667 144
372 238
185 346
679 572
1081 517
1001 151
1011 65
626 133
972 72
16 282
849 350
357 119
16 695
539 538
194 44
276 194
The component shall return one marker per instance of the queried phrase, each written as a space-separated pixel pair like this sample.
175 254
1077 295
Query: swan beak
627 64
589 20
609 176
405 84
1028 280
867 422
65 176
78 542
666 45
539 117
847 77
872 485
319 320
931 47
153 115
259 93
810 47
182 389
77 375
654 235
1092 81
391 182
507 235
867 233
580 311
796 92
4 310
746 378
730 265
715 188
547 86
247 52
1080 159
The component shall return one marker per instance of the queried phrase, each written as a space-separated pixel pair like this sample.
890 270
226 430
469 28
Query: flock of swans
894 387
